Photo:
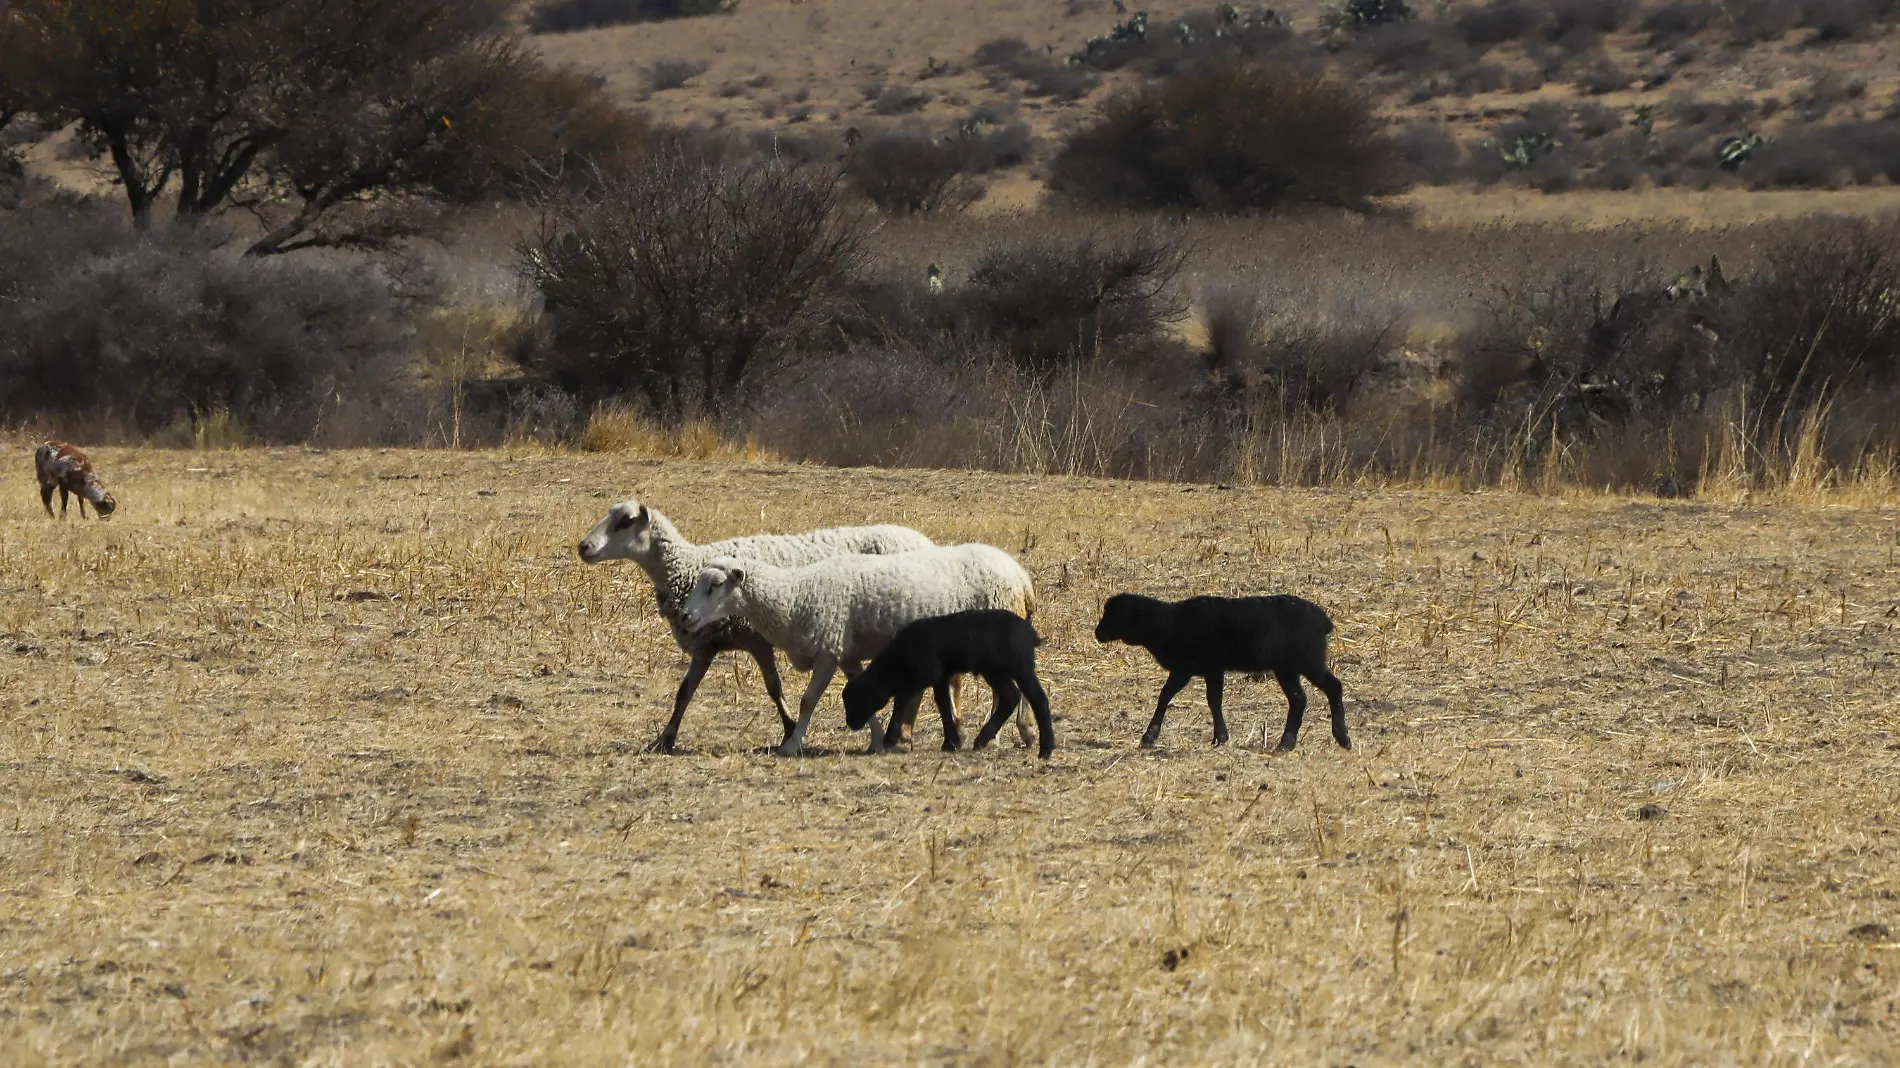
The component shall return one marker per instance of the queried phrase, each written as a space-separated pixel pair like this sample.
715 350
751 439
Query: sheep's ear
644 516
735 576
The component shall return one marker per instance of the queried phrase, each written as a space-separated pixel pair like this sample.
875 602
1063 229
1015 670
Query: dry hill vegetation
336 759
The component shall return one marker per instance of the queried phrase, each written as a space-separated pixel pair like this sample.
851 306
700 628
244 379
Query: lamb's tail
1029 602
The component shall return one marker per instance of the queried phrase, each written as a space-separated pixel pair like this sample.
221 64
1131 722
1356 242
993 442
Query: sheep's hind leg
669 737
1007 697
1045 721
1177 681
1216 687
1295 707
774 686
1336 700
947 711
822 669
62 502
1022 728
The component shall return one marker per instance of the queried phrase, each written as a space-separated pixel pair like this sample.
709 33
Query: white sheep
844 610
633 531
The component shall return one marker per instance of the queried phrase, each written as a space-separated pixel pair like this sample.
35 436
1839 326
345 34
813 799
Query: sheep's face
1120 620
863 697
625 534
104 505
718 595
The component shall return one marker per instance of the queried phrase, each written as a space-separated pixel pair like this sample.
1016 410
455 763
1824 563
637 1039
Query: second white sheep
843 611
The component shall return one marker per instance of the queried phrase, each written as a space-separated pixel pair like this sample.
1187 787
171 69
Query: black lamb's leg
1006 697
947 709
1176 682
1045 722
1295 707
1336 700
697 670
1216 686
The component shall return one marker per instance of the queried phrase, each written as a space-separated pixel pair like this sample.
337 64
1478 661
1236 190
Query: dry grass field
336 759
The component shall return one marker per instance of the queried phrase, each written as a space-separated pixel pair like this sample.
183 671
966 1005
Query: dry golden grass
335 759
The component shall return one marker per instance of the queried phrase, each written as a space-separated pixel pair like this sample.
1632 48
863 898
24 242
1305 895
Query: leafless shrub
665 75
1602 76
1823 318
900 100
1049 303
1672 22
1760 21
1231 136
674 283
1496 22
1430 150
1840 20
912 173
1042 75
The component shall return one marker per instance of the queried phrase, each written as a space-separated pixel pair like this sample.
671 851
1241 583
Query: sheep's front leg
1177 681
1295 708
904 718
774 686
1216 687
46 497
822 669
669 737
62 502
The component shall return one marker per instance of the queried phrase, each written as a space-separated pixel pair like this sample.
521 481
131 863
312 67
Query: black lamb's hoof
664 745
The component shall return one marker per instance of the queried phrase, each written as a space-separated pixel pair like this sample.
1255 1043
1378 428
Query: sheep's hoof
664 744
1285 746
952 744
1148 741
1220 739
789 751
1344 741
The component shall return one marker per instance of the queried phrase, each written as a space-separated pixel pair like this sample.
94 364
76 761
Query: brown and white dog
64 468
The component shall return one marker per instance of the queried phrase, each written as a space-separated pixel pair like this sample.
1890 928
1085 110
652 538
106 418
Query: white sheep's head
626 533
719 594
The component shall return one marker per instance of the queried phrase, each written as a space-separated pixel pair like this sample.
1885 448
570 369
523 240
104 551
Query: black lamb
996 644
1210 636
